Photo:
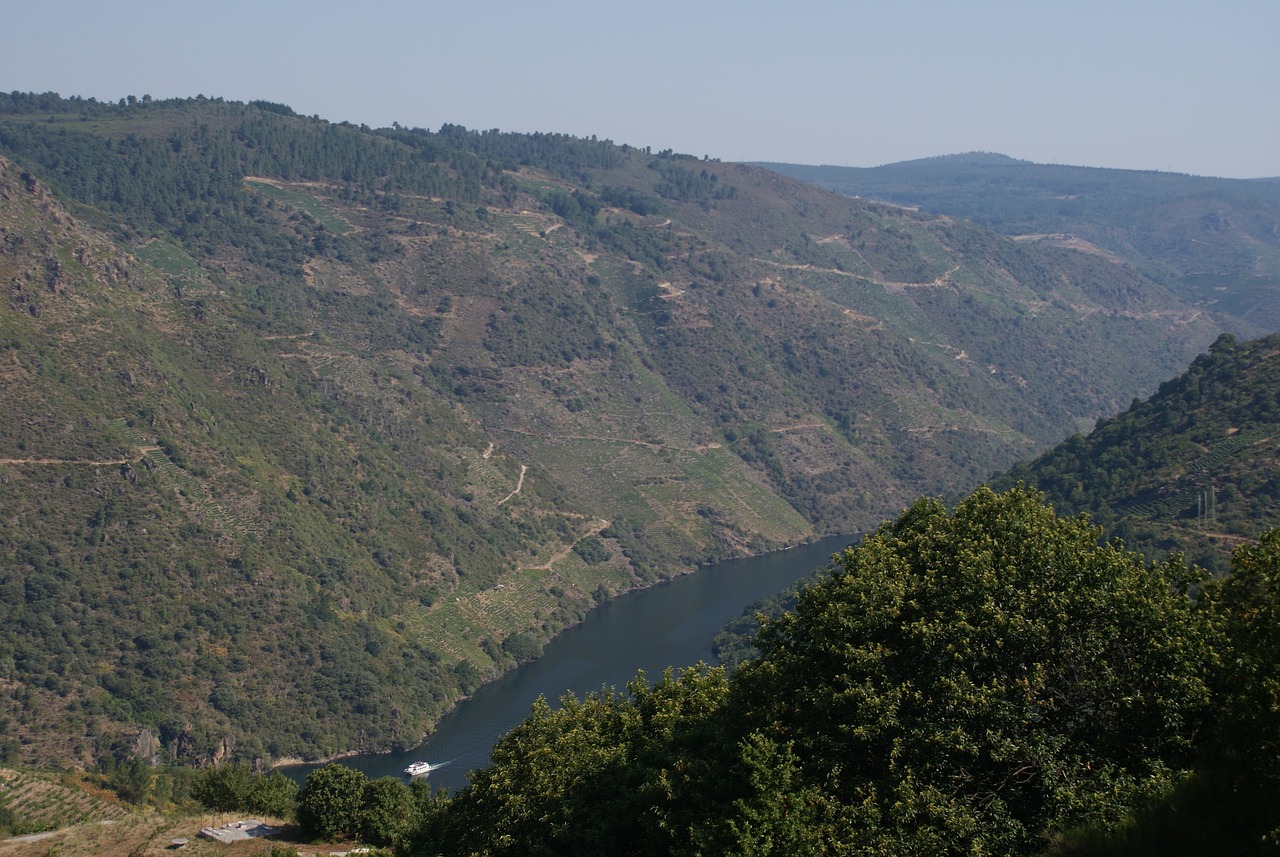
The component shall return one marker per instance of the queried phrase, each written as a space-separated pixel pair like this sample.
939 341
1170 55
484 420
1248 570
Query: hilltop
310 428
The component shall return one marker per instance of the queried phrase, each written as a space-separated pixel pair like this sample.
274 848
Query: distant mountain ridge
1216 242
311 428
975 158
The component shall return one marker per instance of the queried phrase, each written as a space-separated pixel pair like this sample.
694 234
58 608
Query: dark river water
671 624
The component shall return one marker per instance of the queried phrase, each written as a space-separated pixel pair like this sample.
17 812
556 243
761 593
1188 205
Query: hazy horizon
1170 86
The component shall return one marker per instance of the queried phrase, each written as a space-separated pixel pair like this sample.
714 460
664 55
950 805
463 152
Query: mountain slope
1194 468
183 550
1216 242
311 428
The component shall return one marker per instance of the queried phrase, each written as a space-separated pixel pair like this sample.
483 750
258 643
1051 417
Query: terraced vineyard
306 202
1178 498
41 802
553 585
193 495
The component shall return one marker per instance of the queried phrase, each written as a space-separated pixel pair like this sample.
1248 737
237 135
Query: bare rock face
147 747
226 747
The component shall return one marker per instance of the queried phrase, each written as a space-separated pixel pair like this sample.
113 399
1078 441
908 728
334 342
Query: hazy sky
1181 86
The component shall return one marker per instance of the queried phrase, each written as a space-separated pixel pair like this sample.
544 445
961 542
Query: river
668 625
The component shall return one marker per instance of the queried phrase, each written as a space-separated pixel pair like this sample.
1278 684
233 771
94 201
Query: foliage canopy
985 676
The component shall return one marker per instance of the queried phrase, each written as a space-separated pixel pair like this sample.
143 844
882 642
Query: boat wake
422 769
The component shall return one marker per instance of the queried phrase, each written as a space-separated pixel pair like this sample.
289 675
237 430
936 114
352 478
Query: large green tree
1249 605
608 774
387 809
331 803
1231 803
970 681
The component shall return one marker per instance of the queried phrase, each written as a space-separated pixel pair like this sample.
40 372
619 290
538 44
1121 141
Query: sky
1190 87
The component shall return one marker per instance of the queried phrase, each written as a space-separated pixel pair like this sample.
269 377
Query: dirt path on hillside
957 353
647 444
797 427
288 336
598 527
524 468
940 280
82 462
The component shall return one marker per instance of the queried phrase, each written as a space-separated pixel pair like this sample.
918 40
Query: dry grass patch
151 835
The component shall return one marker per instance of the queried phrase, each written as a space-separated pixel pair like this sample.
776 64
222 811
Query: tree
1248 602
548 786
274 794
608 774
330 803
130 779
386 811
778 817
1231 803
224 788
234 787
969 682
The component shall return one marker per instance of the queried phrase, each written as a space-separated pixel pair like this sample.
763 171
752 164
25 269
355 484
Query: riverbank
680 574
294 761
649 628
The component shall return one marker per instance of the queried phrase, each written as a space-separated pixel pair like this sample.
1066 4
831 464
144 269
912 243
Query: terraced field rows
615 576
443 628
1175 498
42 803
318 209
346 372
126 433
1224 449
525 221
206 508
502 612
457 625
488 482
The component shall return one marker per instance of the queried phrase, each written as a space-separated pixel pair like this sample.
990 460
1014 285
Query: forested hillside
308 428
1216 242
1194 468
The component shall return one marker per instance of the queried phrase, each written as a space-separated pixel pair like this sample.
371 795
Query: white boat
421 769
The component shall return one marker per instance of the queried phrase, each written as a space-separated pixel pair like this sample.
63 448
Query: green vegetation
235 787
311 428
1193 468
962 652
329 804
337 803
